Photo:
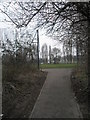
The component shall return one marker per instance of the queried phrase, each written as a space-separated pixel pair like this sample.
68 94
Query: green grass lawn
61 65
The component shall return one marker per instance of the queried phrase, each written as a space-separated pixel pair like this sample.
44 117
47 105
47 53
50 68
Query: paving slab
56 99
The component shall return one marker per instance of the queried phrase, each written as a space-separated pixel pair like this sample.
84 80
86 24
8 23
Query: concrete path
56 99
0 89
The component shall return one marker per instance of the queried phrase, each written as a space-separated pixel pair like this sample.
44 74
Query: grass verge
61 65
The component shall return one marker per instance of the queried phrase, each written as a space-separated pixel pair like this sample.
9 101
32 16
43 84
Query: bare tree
45 53
58 17
50 54
57 54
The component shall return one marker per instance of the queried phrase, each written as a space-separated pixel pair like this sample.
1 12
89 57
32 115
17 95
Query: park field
61 65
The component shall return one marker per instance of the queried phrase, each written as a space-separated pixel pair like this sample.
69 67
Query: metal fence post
38 48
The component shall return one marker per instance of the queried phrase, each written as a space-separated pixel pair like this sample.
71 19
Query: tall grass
11 71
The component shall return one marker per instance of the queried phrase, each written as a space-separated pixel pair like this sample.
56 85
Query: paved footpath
56 99
0 89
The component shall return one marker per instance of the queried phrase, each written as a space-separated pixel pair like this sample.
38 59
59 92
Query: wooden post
38 48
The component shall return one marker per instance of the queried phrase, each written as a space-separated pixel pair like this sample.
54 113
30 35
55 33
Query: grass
61 65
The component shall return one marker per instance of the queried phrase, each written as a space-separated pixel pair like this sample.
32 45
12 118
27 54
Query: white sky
45 0
49 41
42 36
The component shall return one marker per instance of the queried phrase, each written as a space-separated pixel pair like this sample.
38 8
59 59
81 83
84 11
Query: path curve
56 99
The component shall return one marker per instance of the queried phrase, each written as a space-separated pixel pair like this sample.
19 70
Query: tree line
56 55
67 22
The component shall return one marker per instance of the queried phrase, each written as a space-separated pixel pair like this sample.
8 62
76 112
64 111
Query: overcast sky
42 36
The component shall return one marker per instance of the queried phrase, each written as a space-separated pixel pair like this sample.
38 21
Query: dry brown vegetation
80 87
21 87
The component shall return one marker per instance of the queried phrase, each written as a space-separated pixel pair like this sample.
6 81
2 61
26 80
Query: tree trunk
77 51
50 54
